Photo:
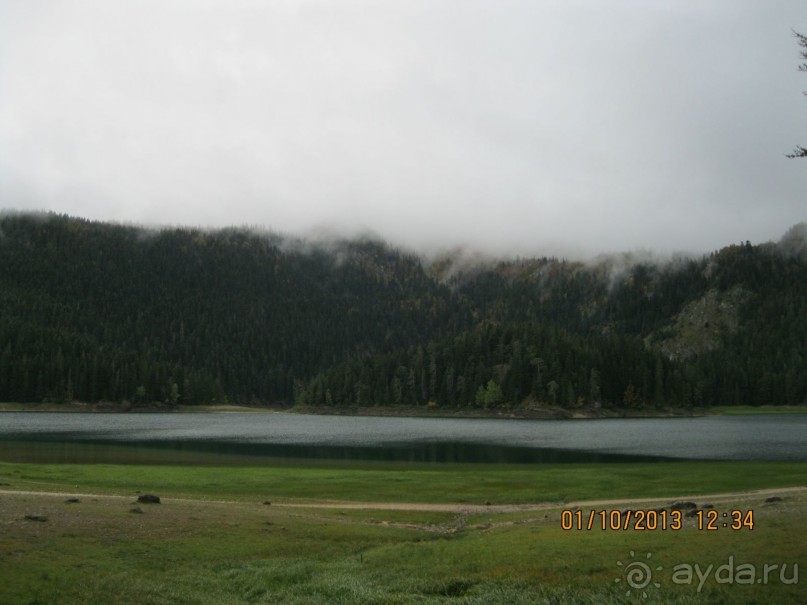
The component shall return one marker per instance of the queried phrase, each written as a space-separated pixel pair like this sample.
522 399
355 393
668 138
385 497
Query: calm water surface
774 437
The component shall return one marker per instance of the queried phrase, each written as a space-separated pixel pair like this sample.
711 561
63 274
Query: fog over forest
573 128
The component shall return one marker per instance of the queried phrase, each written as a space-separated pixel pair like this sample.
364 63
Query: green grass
499 484
15 407
748 410
212 540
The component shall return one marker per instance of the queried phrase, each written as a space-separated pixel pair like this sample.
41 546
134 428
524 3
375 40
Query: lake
252 437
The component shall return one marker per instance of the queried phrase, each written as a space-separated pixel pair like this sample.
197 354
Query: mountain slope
92 311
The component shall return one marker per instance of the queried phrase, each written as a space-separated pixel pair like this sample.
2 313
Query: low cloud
511 128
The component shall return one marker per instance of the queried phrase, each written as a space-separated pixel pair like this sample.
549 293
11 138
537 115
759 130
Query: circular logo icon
638 575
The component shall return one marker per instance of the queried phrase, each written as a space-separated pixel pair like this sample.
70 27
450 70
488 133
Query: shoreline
526 413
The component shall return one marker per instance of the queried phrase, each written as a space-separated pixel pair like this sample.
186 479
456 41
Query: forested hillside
100 312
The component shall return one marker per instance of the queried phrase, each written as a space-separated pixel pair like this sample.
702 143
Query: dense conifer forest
97 312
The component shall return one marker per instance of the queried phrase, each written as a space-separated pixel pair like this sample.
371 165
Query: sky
518 127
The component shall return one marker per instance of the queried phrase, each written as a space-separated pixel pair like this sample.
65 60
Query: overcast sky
519 127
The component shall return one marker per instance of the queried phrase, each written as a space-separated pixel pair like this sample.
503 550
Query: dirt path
506 508
449 508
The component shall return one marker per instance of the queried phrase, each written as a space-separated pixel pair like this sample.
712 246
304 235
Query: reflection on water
249 438
206 452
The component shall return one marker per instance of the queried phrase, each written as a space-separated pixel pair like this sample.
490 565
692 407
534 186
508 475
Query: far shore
532 412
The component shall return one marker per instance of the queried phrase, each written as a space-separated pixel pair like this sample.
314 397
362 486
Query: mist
552 128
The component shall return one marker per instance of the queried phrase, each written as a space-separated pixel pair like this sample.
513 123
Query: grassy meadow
387 533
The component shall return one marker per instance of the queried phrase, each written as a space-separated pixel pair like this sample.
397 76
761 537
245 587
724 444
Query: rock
148 499
700 324
40 518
